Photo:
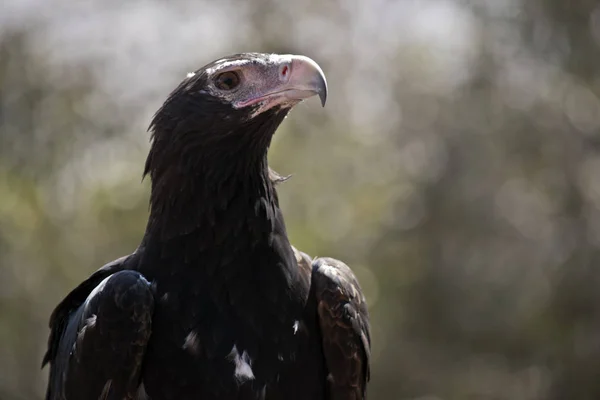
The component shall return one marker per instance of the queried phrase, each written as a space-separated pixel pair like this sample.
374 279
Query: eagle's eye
227 80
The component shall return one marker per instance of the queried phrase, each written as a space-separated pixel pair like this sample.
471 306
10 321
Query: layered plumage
215 303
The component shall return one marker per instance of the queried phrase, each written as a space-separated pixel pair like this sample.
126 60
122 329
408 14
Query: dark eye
227 80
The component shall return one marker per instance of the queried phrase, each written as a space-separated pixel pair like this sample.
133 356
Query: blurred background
456 168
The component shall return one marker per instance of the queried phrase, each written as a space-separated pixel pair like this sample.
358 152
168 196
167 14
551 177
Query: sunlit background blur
456 168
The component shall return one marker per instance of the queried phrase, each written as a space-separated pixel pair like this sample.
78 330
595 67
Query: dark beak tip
323 97
322 90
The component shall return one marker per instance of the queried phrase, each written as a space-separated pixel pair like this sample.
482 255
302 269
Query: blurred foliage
456 168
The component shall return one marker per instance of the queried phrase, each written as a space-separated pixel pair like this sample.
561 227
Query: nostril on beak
284 72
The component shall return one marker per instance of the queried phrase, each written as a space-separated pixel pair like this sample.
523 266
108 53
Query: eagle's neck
230 194
213 184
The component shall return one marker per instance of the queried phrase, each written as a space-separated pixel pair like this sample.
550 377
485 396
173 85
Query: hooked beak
285 81
306 80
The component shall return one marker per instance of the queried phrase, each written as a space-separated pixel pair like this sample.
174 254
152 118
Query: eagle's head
233 104
254 82
211 136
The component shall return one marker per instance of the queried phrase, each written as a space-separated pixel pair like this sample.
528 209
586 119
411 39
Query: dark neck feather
214 182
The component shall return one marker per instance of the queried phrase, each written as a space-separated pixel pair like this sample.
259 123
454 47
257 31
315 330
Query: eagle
215 303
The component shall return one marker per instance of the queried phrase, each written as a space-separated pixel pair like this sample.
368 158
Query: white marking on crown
228 64
270 59
243 364
295 327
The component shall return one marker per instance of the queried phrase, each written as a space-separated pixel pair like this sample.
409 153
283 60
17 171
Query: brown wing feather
344 322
